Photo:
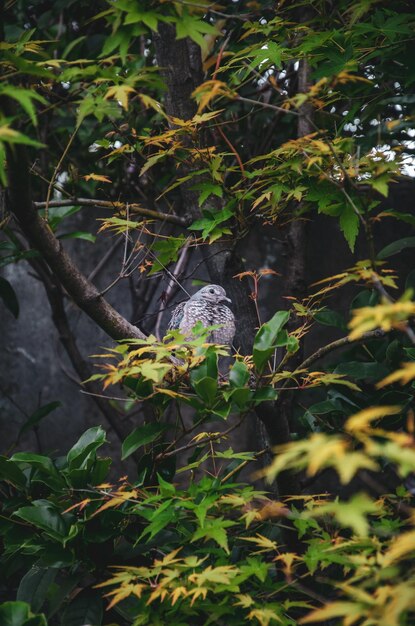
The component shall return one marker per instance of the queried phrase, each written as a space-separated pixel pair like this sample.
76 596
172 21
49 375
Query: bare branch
107 204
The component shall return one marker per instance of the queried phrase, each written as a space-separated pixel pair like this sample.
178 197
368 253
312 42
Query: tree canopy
266 147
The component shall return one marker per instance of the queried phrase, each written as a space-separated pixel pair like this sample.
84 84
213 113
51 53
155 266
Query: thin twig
55 171
200 442
266 105
176 273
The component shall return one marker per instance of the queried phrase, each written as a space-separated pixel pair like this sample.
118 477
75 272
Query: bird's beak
227 300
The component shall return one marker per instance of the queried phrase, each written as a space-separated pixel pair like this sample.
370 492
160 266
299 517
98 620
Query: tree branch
134 208
339 343
38 233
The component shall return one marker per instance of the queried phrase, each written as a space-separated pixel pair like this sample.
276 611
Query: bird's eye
212 290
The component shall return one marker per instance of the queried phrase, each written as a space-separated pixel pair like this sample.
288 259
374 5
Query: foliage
192 542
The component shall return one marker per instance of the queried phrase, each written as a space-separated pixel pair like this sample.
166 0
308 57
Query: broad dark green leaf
239 374
90 441
266 337
79 234
395 247
141 436
45 516
43 468
206 389
10 472
35 585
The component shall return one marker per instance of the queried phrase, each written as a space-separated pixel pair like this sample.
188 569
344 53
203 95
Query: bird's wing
176 317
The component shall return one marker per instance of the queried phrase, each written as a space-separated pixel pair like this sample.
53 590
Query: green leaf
85 608
11 136
8 295
45 516
267 55
43 469
209 224
206 389
90 441
328 317
25 98
140 437
381 184
239 374
349 225
362 371
37 416
79 234
265 394
194 27
395 247
10 472
14 613
352 514
266 338
35 585
20 256
214 529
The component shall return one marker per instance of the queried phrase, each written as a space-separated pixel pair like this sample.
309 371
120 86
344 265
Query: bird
206 306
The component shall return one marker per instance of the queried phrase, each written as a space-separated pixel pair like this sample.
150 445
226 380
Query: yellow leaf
168 559
244 600
385 316
207 91
403 375
288 559
120 93
175 595
262 542
264 616
110 504
103 179
334 609
150 102
196 592
401 547
361 420
119 594
81 505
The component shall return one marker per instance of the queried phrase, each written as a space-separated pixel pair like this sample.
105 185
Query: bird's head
211 293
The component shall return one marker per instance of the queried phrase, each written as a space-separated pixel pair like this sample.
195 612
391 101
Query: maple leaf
103 179
120 93
262 542
361 420
403 375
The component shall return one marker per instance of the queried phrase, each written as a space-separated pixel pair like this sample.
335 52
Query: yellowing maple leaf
384 316
196 593
120 93
244 600
103 179
361 420
262 542
350 610
175 595
401 547
264 616
403 375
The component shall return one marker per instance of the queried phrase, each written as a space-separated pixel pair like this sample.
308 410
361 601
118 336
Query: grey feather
206 306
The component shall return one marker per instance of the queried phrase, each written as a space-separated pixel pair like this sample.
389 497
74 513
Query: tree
196 128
